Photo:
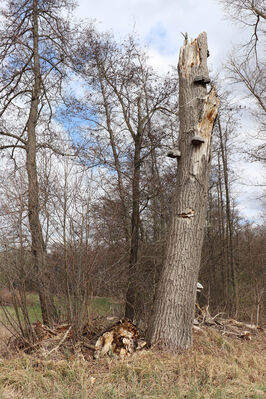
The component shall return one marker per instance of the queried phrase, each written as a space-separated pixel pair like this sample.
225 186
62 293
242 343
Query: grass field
215 368
34 309
98 306
105 306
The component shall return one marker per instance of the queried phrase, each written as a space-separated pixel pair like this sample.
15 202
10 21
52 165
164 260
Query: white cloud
250 190
158 24
160 62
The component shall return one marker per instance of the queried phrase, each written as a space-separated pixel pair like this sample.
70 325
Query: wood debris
116 338
98 338
120 340
228 327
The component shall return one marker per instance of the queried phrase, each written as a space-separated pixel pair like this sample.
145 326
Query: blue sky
158 24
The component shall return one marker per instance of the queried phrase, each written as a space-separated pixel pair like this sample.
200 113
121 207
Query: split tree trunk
171 325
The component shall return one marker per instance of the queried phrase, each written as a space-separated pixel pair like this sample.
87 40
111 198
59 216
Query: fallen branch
60 343
229 327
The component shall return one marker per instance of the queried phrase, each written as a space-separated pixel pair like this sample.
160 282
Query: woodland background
105 122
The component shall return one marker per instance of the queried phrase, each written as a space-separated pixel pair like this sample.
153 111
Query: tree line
86 187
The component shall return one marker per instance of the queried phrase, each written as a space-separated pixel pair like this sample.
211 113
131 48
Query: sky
158 24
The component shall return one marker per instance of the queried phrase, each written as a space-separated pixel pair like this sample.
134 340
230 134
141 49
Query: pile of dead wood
121 340
227 327
116 338
98 338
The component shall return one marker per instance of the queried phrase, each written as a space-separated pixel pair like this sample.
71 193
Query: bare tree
16 261
129 110
247 66
171 325
252 275
219 269
33 47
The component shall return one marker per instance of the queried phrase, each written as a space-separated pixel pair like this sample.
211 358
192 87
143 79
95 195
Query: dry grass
216 368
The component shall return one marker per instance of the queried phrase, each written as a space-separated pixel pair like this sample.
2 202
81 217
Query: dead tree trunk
171 325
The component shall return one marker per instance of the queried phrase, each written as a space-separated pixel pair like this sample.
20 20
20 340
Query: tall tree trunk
38 246
121 189
131 295
222 258
232 281
171 325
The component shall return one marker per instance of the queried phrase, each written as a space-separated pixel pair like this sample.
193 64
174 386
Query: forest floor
214 368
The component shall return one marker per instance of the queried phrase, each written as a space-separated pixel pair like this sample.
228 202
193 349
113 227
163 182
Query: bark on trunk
232 295
121 189
38 246
222 260
172 321
131 295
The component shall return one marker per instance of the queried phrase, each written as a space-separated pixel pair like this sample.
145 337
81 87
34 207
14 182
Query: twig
49 330
89 346
218 314
60 343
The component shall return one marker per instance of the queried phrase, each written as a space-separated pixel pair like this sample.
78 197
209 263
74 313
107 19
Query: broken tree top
194 55
198 105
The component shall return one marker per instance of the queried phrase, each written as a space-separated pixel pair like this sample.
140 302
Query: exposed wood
120 340
229 327
171 325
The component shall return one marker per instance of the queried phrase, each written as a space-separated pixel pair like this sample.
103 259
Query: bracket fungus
197 140
174 153
202 79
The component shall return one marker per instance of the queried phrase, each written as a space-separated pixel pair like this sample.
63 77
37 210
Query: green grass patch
103 306
34 310
98 306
